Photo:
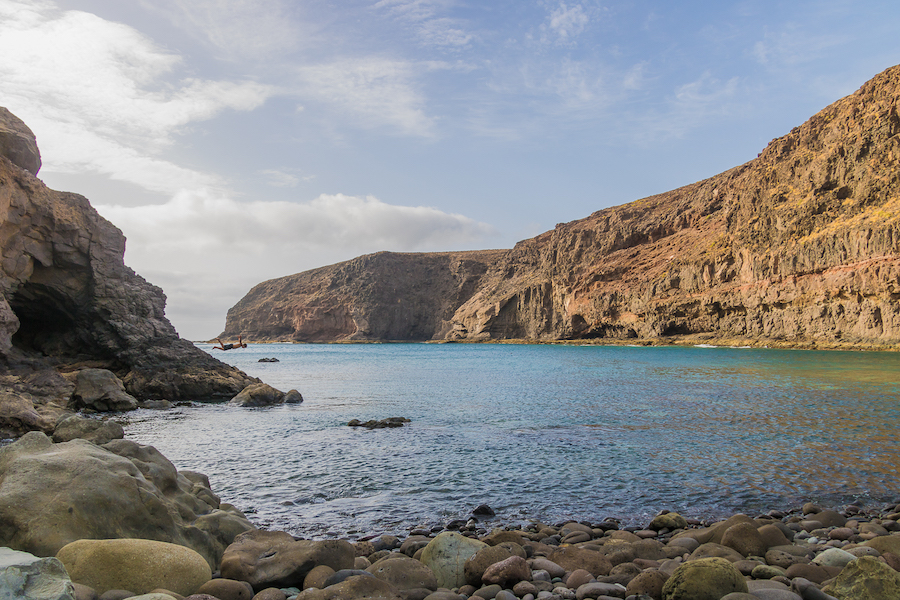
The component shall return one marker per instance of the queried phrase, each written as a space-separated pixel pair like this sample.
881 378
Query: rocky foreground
117 520
798 247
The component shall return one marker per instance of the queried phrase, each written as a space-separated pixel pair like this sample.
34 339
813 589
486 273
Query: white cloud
568 21
424 16
203 241
792 46
95 94
375 91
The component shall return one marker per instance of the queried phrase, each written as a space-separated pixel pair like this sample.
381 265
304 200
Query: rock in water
140 566
798 246
101 390
23 575
54 494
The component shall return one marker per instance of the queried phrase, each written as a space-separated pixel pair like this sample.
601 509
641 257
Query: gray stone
446 556
833 557
93 430
258 394
23 575
101 390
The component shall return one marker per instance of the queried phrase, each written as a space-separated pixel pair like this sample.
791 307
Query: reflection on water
547 432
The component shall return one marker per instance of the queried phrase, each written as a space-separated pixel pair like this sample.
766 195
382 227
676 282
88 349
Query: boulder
93 430
227 589
647 582
712 550
404 573
293 397
53 494
477 564
572 558
885 543
17 143
446 556
704 579
507 572
353 588
18 415
834 557
101 390
275 559
745 539
670 521
140 566
24 575
260 394
866 578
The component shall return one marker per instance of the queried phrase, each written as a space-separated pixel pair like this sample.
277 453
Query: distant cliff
68 301
798 246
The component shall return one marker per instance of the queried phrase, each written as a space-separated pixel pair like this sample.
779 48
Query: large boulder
275 559
866 578
101 390
446 556
704 579
17 143
53 494
139 566
24 575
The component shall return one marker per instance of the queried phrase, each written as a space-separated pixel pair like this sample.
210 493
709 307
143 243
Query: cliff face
384 296
800 245
68 300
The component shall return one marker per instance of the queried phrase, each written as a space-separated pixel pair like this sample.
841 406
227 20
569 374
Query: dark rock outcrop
800 246
67 301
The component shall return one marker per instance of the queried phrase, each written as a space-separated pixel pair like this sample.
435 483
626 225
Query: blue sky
236 141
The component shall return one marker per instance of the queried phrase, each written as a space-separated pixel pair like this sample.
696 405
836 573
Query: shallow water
540 431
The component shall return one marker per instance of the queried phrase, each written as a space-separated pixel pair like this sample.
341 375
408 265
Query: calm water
546 432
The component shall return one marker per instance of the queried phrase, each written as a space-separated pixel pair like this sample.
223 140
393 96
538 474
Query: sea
542 433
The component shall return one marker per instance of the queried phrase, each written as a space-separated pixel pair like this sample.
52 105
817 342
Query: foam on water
546 432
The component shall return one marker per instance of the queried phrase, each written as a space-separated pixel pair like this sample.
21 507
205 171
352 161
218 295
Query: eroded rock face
54 494
799 246
67 298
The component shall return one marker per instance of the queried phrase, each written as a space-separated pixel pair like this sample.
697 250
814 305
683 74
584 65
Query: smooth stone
767 572
523 588
670 521
353 588
833 557
745 539
116 595
544 564
227 589
83 592
886 543
488 592
775 594
404 573
505 595
155 596
578 577
597 589
507 572
704 579
478 563
317 577
689 544
814 573
270 594
650 583
571 558
713 550
274 559
133 564
541 575
446 556
342 575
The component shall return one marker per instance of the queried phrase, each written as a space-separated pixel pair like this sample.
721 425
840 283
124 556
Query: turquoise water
540 431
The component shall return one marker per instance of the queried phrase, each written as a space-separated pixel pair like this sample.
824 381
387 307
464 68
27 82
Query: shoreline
686 341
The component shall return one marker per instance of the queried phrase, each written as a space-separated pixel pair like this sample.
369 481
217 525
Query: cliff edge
797 247
67 300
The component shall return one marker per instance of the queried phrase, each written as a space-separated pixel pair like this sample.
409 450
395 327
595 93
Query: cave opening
48 323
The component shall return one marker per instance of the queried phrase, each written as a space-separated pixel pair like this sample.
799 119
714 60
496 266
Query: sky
235 141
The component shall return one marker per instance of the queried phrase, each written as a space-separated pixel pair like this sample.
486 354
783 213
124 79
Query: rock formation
67 301
798 246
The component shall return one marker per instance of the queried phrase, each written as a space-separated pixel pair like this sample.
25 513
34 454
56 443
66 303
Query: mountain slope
799 245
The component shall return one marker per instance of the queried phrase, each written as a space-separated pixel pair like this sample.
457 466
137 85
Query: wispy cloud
429 21
239 29
374 92
567 22
792 45
110 106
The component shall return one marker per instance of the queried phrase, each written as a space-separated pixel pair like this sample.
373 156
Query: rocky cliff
67 300
799 246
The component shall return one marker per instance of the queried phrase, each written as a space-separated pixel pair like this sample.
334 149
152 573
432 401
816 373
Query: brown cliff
798 246
67 300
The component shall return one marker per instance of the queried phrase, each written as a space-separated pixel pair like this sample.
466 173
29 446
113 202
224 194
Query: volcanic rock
67 300
797 247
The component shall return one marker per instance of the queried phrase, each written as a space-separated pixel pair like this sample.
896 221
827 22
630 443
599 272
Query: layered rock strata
800 246
67 300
